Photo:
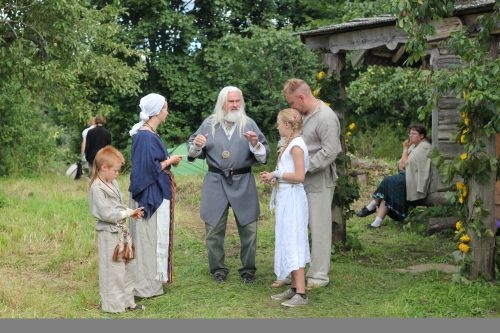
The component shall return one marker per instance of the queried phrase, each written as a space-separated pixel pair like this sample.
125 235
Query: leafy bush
383 142
389 95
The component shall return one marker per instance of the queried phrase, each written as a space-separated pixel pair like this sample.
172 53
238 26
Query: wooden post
483 248
335 64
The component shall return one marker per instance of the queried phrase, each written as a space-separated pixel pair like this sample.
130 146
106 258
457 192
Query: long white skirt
291 250
152 256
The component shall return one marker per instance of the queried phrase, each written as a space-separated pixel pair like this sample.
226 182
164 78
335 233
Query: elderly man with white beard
231 142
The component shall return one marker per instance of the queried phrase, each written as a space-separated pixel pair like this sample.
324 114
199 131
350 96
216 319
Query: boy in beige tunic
116 278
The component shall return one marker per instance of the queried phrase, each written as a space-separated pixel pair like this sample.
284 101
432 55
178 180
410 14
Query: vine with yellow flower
475 82
347 190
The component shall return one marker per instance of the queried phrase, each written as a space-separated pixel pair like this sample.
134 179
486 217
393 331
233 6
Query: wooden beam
370 38
401 50
334 63
357 56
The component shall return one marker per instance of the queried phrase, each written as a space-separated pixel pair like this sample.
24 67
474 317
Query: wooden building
378 41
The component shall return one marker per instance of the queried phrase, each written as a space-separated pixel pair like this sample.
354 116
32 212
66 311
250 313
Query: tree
57 57
259 65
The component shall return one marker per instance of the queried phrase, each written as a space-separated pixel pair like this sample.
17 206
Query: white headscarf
150 105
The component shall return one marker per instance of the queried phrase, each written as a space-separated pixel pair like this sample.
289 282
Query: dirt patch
427 267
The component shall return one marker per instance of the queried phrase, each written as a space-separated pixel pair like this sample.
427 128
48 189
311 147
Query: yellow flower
465 239
462 139
328 103
321 75
459 226
466 120
464 156
464 192
351 126
464 94
464 247
316 92
346 140
348 134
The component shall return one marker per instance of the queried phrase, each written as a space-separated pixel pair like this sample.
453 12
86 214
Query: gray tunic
216 193
321 132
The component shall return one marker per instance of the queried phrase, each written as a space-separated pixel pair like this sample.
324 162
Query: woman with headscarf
152 186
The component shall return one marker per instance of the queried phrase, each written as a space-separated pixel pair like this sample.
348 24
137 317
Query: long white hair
219 112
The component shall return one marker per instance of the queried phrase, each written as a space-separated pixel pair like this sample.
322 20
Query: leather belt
228 173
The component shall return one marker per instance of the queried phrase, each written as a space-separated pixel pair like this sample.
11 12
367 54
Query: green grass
49 269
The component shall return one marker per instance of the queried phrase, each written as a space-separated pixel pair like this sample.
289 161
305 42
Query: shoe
315 285
287 294
365 212
369 226
136 307
295 301
219 276
247 278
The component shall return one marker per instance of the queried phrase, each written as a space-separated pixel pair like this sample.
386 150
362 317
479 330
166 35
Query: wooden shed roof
378 40
462 7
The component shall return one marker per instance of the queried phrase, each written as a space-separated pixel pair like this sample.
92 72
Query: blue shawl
149 184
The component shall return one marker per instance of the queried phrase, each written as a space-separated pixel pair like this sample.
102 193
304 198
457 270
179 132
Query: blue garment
392 189
149 184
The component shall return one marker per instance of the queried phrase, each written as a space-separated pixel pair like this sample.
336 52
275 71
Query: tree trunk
338 225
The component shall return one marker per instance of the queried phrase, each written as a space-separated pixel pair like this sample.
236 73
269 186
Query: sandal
136 307
280 283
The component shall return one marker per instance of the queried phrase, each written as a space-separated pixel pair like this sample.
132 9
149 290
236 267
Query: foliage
384 141
259 66
57 56
414 17
113 52
389 95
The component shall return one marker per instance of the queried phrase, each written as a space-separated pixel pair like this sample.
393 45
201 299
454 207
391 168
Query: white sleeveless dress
291 250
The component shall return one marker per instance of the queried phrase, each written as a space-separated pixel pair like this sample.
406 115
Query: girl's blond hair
294 119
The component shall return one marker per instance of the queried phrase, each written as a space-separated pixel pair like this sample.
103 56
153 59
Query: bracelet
278 174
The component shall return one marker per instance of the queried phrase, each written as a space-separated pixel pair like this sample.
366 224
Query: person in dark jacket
97 138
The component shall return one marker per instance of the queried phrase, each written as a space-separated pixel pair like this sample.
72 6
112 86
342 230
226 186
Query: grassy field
49 267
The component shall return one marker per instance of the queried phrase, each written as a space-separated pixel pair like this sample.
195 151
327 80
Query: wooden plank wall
445 119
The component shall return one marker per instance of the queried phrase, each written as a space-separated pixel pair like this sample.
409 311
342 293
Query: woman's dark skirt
392 189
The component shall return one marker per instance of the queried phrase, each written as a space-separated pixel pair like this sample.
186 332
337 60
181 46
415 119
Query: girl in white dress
289 201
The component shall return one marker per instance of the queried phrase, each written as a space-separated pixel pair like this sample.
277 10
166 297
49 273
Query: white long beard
233 116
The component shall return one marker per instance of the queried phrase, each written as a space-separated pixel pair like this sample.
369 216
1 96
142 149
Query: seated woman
409 187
